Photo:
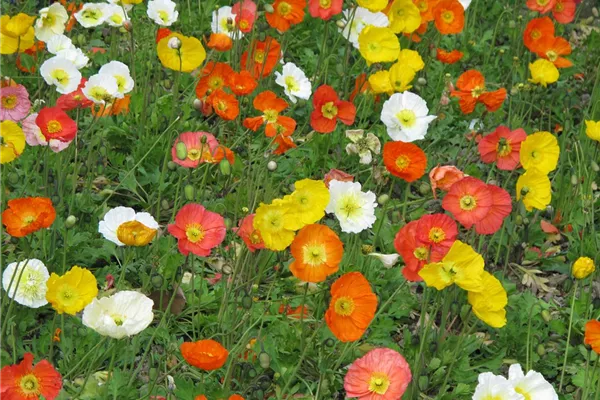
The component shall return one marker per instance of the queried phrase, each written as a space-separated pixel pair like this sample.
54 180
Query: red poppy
543 6
537 32
284 143
271 106
219 42
328 109
553 48
262 58
438 231
249 234
285 14
24 381
324 9
405 160
74 99
471 90
225 105
502 147
469 200
501 207
361 85
56 124
242 83
564 11
162 33
198 230
448 57
214 77
245 14
414 252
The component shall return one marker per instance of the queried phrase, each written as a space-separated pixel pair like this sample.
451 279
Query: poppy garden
300 199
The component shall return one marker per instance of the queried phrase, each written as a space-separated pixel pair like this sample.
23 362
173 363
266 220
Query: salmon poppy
352 307
448 57
75 99
117 107
449 16
194 148
443 177
225 105
285 14
317 252
503 147
271 106
215 76
542 6
262 58
324 9
501 207
564 11
162 33
284 143
250 235
337 175
537 32
219 42
205 354
245 14
24 381
328 109
438 231
414 252
553 49
56 124
404 160
241 83
27 215
198 230
469 200
592 335
471 90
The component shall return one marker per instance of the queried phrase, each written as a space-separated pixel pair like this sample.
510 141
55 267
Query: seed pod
541 350
329 342
422 81
272 166
247 302
269 8
252 372
181 150
157 280
264 359
512 24
13 177
171 165
225 167
70 221
383 199
228 223
164 204
189 192
518 220
424 188
573 180
595 166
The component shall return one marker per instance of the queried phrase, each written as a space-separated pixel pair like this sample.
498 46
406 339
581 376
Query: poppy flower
284 143
540 151
285 14
250 235
307 203
15 104
543 72
426 8
404 160
225 105
415 252
448 57
162 33
535 189
26 215
469 200
56 124
186 57
352 307
245 15
462 266
215 76
328 109
262 58
353 208
564 11
378 44
197 230
336 174
73 291
553 49
12 141
502 147
241 83
542 6
380 374
443 177
501 207
317 252
449 16
205 354
489 305
471 90
75 99
592 335
219 42
271 106
324 9
438 231
537 32
26 381
116 107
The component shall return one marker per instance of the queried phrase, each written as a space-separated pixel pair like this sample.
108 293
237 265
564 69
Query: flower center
559 7
67 294
93 14
437 235
119 319
542 2
284 9
194 232
407 118
402 162
468 202
421 253
30 385
215 82
329 110
255 237
259 56
314 254
503 148
292 84
29 219
221 105
523 393
54 126
325 3
60 76
448 16
244 24
9 102
374 47
121 82
163 15
271 116
422 5
552 56
478 91
117 19
194 154
48 20
344 306
536 34
99 93
379 383
349 206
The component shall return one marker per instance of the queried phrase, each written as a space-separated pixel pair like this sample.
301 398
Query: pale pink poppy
245 14
14 104
195 152
444 177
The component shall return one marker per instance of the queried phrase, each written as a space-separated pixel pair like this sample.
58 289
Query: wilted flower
362 145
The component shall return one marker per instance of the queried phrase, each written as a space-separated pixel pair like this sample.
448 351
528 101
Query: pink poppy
502 147
381 374
324 9
469 200
249 235
245 14
35 137
15 103
198 230
196 151
444 177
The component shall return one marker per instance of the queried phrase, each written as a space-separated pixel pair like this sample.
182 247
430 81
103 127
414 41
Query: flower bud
225 167
272 166
127 25
198 104
174 43
70 221
171 165
181 150
264 359
189 192
383 199
595 166
512 24
583 267
341 24
156 280
573 180
541 350
164 204
422 81
269 8
546 315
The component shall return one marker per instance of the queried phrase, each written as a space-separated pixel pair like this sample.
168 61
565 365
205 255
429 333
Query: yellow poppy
543 72
73 291
401 77
540 151
535 189
378 44
373 5
411 59
12 143
271 221
404 16
592 130
380 82
488 304
16 33
307 203
183 53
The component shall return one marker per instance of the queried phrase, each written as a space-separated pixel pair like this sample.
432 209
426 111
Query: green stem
562 374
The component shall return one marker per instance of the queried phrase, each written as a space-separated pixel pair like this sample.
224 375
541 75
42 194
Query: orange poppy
537 33
262 58
405 160
219 42
449 17
286 13
317 252
200 397
72 8
592 335
242 83
27 215
225 105
426 8
294 313
162 33
118 107
271 106
205 354
449 57
214 77
284 143
361 85
543 6
328 109
32 51
352 307
471 90
235 397
24 381
414 36
564 11
554 49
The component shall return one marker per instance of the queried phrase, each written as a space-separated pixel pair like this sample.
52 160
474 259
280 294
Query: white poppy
120 4
92 14
465 3
353 26
28 286
57 43
125 313
223 21
354 209
531 386
114 218
51 22
405 116
62 73
162 12
495 387
101 88
388 260
294 82
74 55
121 73
115 16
